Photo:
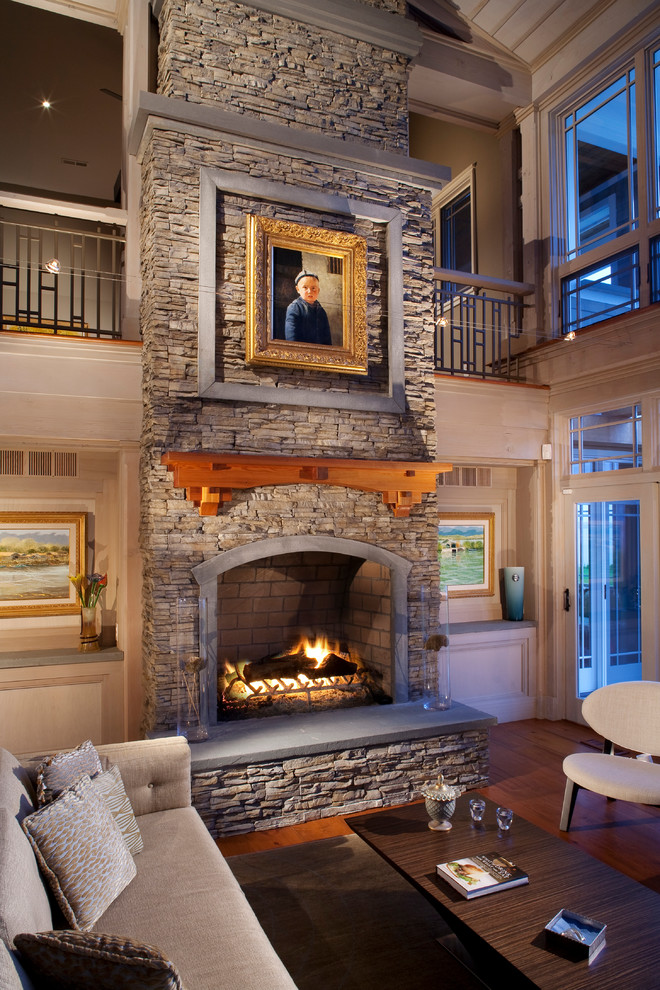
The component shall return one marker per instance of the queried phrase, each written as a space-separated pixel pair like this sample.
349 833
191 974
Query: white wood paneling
44 708
495 670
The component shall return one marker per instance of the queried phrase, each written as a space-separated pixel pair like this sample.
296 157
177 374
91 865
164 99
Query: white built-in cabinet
55 699
493 667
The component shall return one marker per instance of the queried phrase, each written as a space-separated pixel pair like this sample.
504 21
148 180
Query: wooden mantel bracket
210 478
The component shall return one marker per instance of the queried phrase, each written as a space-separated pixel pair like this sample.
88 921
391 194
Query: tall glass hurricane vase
192 663
435 619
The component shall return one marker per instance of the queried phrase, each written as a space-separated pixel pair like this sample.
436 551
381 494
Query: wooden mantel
210 478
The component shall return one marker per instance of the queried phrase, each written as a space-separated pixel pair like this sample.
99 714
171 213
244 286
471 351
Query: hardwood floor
526 774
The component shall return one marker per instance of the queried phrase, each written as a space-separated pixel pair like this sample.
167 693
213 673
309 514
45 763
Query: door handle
567 600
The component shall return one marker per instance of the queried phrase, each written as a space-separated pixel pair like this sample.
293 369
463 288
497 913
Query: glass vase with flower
88 591
435 631
192 663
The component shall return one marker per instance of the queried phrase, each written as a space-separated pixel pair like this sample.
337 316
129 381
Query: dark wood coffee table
504 932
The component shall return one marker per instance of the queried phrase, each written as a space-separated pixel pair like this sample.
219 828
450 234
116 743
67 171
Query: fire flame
317 650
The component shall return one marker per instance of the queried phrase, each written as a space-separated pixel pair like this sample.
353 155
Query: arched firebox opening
301 623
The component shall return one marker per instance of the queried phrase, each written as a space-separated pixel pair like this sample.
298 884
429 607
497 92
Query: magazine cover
483 874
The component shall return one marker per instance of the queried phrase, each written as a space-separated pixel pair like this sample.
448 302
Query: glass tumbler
504 818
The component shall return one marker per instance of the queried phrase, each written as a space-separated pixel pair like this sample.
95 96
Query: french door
608 566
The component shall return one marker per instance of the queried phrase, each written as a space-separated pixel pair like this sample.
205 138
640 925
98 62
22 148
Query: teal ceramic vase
514 592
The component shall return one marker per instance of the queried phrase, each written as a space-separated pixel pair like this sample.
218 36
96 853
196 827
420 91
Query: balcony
67 282
61 281
479 324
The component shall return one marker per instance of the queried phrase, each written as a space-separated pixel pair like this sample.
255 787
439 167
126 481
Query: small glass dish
575 936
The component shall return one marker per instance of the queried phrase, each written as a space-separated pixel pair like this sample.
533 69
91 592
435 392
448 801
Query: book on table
486 873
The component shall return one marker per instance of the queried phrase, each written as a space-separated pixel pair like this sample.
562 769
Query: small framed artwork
306 297
38 553
466 553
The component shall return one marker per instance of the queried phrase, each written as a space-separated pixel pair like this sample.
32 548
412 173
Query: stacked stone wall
209 53
271 67
271 794
175 538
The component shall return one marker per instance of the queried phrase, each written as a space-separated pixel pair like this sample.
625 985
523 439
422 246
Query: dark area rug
340 918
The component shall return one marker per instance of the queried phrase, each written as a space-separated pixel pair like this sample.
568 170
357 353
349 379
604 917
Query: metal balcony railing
81 299
477 320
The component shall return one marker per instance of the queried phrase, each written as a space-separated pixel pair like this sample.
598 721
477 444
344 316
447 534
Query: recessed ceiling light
46 104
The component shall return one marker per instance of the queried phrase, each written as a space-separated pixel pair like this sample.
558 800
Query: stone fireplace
299 117
267 597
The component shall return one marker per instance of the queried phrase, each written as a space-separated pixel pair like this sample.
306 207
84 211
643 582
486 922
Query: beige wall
458 147
82 397
502 426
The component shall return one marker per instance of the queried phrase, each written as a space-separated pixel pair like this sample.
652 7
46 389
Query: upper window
606 441
454 222
611 209
601 167
456 233
656 133
601 291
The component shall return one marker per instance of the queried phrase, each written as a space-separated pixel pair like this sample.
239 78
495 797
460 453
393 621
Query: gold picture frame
277 250
38 553
466 553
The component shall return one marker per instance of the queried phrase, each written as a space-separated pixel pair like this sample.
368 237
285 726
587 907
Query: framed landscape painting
466 554
38 552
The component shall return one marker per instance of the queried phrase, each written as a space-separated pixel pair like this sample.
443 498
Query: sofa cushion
17 794
90 961
12 974
155 772
18 867
110 785
24 903
208 917
81 851
60 771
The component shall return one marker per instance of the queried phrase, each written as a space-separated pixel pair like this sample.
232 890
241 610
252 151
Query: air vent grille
38 463
11 462
467 477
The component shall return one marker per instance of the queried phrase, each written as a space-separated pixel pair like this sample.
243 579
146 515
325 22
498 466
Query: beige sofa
184 899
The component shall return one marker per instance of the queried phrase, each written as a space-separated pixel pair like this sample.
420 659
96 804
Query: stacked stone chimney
257 103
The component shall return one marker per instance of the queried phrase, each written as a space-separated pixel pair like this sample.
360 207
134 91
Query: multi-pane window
600 292
606 441
655 68
456 233
601 167
611 211
655 269
454 224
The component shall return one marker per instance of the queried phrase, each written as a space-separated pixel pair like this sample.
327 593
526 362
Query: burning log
292 665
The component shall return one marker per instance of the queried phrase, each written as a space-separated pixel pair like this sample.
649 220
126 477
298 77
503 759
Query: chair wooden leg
570 796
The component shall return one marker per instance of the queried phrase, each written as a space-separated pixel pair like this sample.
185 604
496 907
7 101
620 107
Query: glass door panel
607 596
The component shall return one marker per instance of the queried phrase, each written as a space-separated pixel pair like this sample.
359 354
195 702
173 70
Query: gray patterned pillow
81 851
92 961
111 786
62 770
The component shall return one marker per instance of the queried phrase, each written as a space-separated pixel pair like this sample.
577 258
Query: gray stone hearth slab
285 736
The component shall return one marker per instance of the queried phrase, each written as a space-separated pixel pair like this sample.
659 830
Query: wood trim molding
209 478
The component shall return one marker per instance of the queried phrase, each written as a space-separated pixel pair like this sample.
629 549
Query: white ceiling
505 53
481 59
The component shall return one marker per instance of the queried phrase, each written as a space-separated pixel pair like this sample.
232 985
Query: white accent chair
626 715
